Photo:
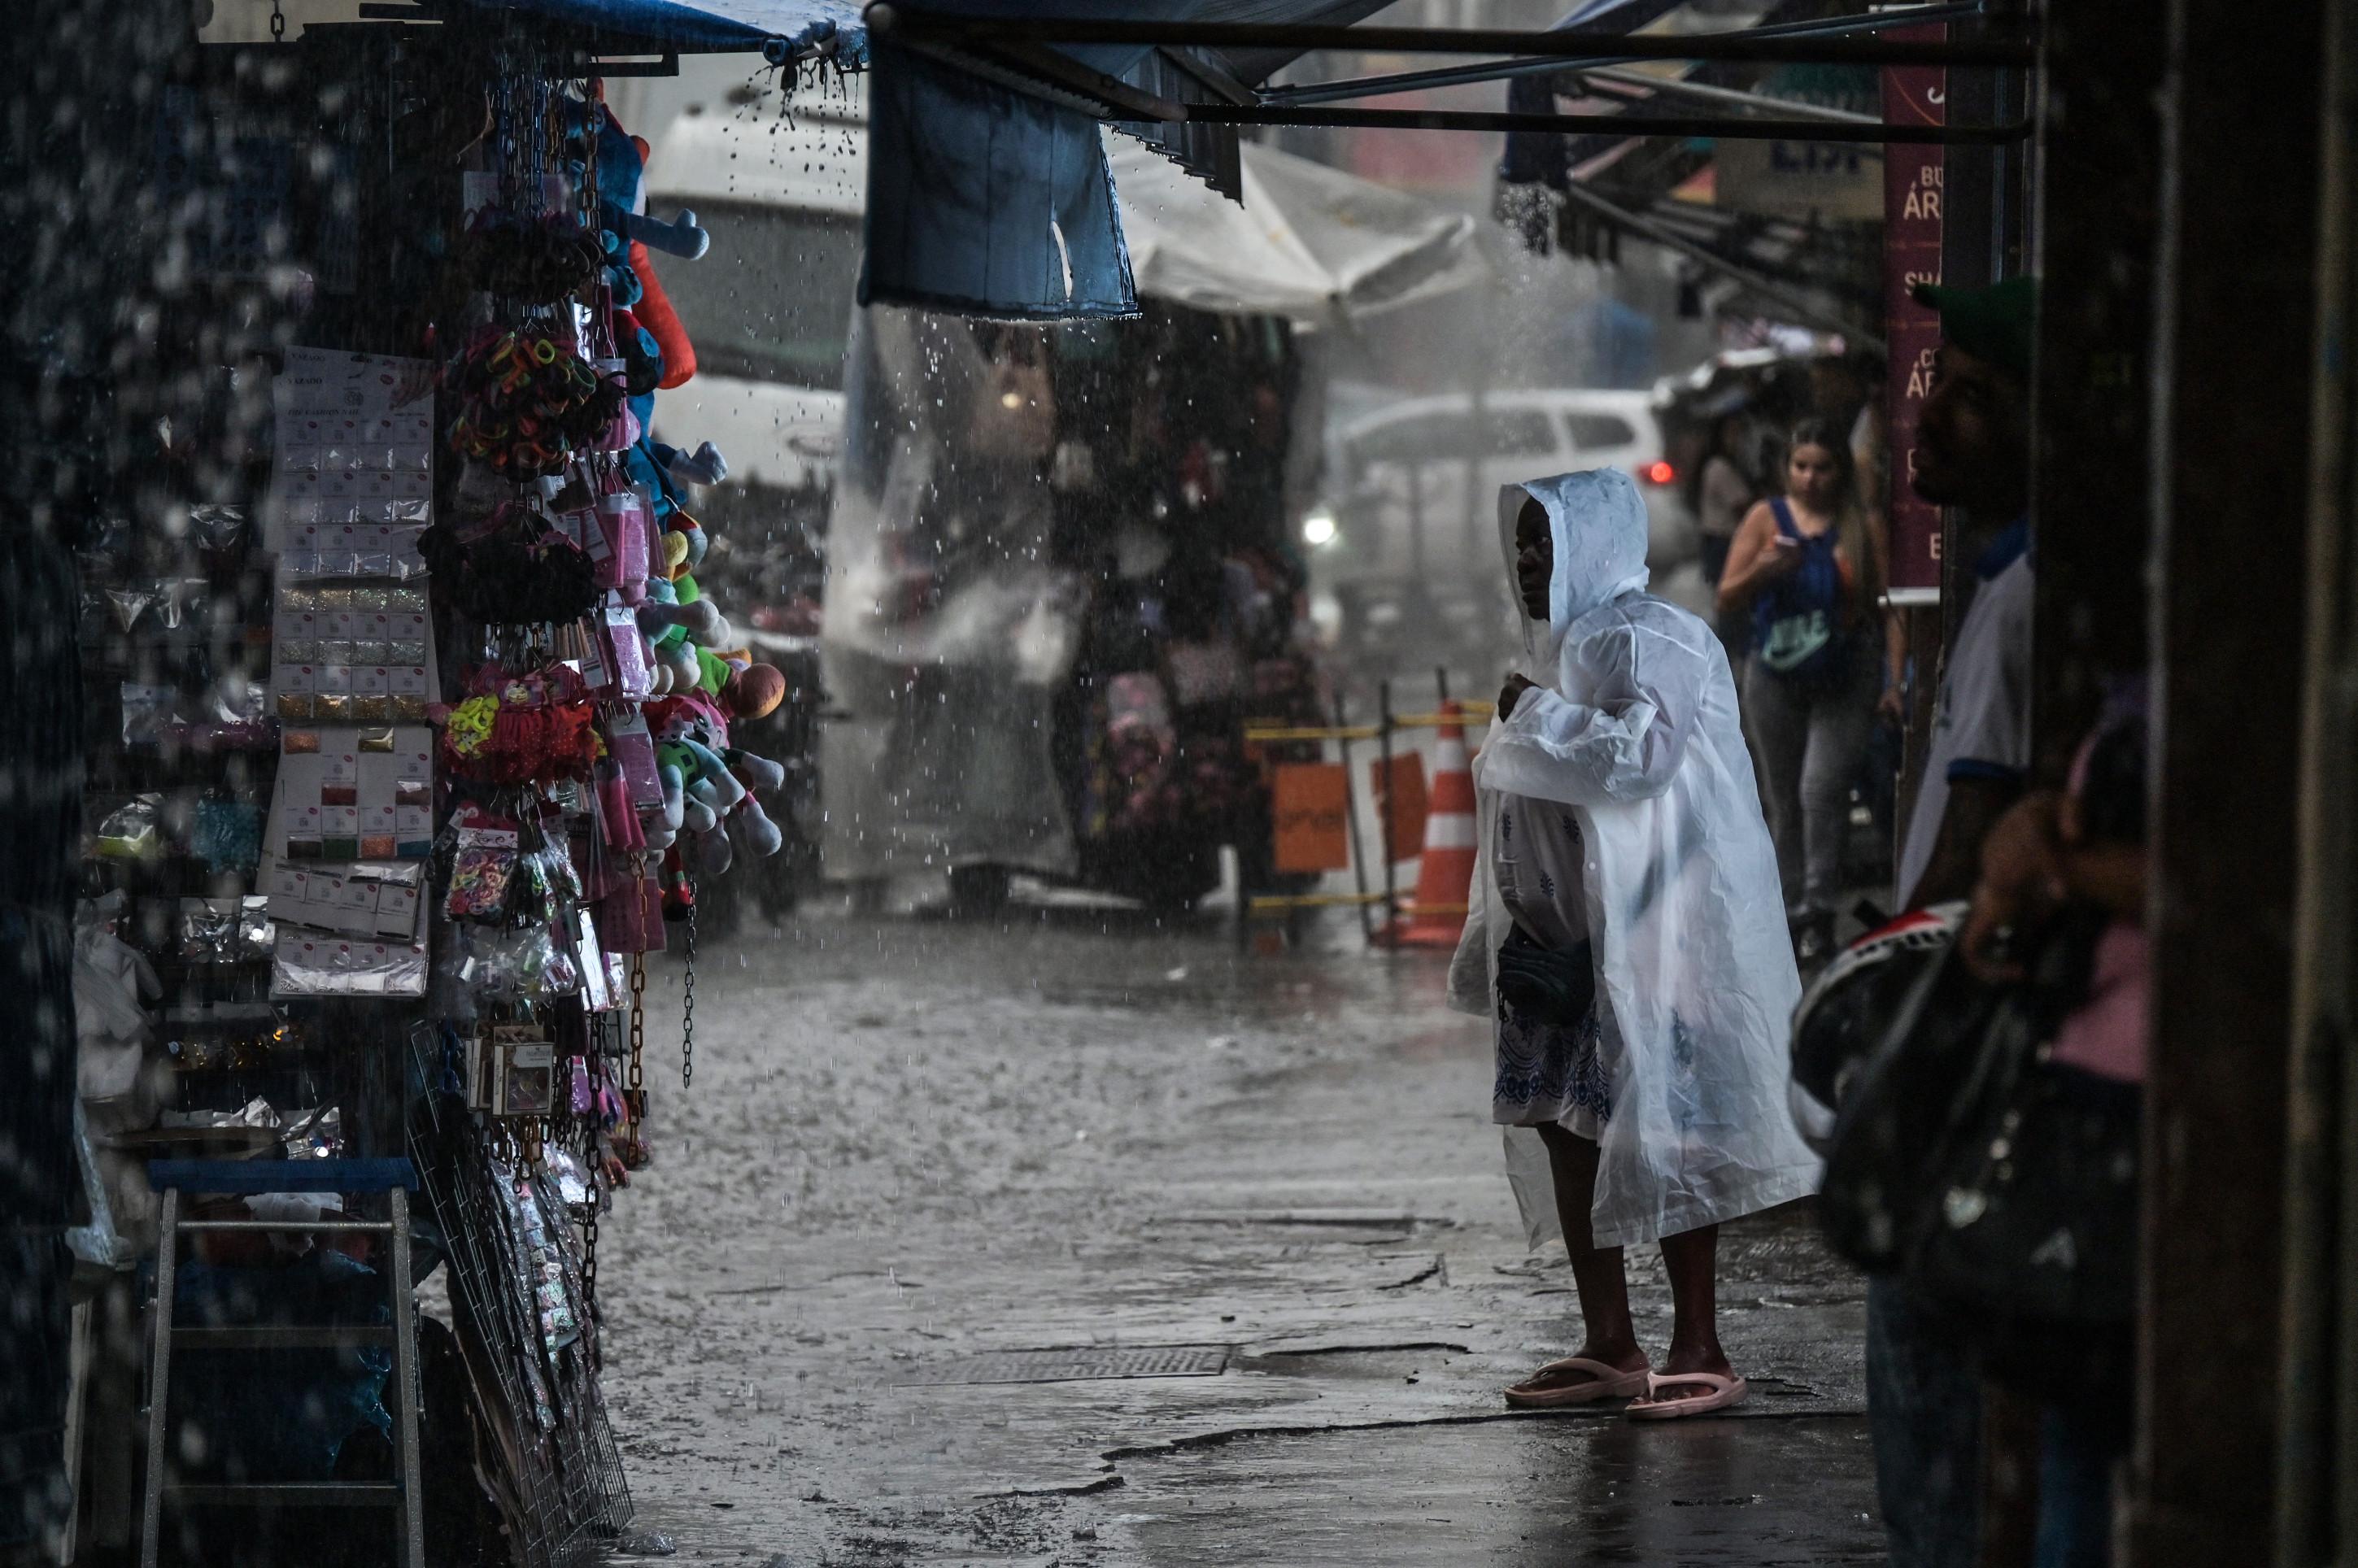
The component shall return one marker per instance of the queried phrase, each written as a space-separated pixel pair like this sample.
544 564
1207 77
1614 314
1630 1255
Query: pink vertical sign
1912 191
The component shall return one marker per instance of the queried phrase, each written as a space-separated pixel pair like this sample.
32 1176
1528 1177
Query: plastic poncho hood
1634 726
1598 523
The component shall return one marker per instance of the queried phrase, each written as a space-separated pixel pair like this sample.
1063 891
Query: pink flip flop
1725 1391
1604 1383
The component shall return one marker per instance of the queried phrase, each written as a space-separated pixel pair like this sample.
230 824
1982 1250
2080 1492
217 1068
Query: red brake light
1659 471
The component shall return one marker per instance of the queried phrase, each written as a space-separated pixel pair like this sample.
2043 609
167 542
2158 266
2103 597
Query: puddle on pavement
1367 1362
1525 1493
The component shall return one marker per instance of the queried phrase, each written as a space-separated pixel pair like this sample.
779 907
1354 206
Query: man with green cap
1973 453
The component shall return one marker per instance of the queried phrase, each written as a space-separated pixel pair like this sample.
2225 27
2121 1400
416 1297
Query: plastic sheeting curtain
950 627
988 201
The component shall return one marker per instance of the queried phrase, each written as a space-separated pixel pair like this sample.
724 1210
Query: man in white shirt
1924 1395
1974 453
1981 728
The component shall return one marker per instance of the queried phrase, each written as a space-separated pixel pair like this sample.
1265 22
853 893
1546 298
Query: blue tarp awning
989 199
784 29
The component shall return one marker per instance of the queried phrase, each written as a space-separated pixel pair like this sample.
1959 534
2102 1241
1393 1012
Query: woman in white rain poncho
1624 847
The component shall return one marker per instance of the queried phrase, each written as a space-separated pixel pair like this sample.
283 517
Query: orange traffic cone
1444 873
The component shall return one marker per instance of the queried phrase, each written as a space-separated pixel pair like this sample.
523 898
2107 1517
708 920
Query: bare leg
1691 1259
1603 1288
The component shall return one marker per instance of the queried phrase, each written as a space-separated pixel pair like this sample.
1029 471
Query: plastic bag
485 859
311 964
1531 1178
133 831
149 712
119 1080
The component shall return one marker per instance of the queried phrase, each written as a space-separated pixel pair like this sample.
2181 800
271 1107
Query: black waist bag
1543 985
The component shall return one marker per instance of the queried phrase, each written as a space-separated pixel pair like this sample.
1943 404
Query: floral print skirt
1550 1074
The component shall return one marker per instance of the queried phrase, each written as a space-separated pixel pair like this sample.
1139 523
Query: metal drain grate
1075 1365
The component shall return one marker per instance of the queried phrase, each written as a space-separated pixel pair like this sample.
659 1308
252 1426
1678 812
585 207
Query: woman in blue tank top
1825 656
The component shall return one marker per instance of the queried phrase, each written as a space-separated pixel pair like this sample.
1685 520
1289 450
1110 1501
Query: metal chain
589 1252
687 1004
638 1022
277 23
633 1150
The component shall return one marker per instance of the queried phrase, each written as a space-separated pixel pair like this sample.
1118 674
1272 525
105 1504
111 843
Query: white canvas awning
1308 243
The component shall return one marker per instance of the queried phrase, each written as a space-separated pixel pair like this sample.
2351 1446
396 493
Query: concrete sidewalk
1250 1213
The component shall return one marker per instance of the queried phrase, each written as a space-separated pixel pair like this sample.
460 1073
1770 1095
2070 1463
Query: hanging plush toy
676 618
744 689
631 233
703 466
658 316
692 736
656 311
642 359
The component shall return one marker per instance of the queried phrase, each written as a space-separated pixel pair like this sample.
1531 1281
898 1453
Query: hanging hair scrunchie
527 402
520 733
537 260
513 570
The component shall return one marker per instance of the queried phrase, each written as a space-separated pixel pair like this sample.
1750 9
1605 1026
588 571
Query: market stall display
1081 610
406 761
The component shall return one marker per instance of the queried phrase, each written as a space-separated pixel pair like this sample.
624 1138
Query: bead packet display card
354 445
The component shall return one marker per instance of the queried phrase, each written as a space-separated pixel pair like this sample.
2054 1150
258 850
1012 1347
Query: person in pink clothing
2084 847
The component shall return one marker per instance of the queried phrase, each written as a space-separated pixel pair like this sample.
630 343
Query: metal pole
1391 851
2317 1377
1728 97
1351 812
1646 228
1461 75
2245 117
1721 126
1415 524
1478 439
412 1523
159 1381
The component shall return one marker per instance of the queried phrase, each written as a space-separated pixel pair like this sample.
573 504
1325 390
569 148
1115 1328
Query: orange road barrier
1310 805
1444 874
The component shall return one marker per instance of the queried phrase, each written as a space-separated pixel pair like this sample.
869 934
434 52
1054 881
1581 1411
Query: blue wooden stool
394 1177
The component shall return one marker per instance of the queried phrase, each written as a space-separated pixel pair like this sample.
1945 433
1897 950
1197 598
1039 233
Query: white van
1409 531
769 307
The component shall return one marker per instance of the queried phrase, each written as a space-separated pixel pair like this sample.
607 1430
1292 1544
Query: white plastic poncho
1634 726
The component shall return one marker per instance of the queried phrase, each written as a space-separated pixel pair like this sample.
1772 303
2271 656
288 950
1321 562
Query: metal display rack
565 1496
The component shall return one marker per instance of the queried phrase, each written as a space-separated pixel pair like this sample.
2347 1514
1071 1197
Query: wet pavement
1081 1238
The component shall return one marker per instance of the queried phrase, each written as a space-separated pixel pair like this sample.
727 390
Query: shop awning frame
1506 70
1753 282
1017 53
1723 128
907 22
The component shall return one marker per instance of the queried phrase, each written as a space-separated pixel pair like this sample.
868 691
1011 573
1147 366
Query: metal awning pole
1729 97
1646 228
1499 70
1718 127
1384 827
888 19
1351 811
